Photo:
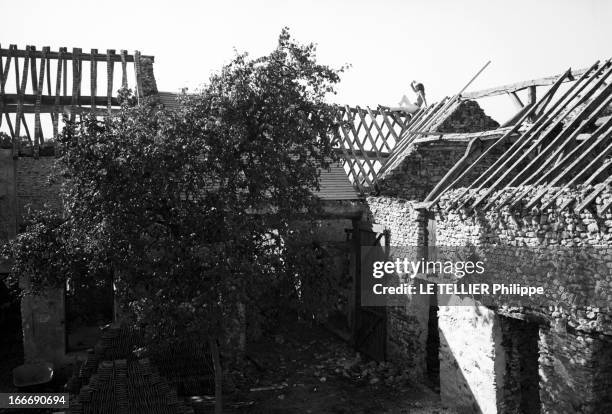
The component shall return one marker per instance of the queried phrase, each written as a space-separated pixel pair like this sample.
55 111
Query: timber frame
559 142
61 73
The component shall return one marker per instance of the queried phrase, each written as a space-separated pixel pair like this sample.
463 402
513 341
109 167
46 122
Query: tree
190 207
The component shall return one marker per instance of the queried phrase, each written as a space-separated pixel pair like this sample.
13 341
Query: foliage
190 208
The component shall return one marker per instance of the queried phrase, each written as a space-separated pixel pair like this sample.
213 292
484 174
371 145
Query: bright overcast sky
441 43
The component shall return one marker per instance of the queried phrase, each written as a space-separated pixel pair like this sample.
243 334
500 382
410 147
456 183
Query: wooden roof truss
563 141
61 73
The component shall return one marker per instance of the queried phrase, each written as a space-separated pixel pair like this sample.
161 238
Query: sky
388 43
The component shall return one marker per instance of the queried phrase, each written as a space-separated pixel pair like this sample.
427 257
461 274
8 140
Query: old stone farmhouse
447 176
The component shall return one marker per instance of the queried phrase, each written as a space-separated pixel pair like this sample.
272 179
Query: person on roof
406 106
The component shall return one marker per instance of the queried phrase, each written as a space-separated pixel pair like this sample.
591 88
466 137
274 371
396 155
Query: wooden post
124 82
110 67
93 81
532 99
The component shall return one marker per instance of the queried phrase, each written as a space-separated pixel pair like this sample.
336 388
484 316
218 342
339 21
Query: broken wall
407 325
574 319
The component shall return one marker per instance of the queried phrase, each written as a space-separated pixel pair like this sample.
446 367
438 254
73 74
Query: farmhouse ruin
448 176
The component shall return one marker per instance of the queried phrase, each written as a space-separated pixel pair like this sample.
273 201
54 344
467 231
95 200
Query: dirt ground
300 368
306 369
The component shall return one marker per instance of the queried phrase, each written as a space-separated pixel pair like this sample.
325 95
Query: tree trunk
214 349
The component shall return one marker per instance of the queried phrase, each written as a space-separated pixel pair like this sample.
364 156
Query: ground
299 368
306 369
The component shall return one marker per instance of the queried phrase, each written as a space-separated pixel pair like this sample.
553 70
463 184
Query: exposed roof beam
514 87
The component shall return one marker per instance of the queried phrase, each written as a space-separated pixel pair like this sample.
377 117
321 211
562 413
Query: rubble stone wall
575 325
426 164
407 326
35 186
468 117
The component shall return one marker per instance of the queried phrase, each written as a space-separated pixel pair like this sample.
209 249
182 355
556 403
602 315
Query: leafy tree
190 207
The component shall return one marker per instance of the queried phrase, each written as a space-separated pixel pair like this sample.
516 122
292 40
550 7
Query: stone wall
573 315
35 185
8 215
426 164
575 371
407 325
468 117
578 290
517 381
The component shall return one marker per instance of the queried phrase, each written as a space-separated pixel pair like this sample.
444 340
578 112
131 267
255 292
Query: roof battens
550 134
556 147
434 197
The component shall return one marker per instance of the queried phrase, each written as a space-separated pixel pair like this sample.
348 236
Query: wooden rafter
558 138
449 181
549 121
556 147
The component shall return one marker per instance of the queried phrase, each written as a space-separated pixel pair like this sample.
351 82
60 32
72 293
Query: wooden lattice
61 74
366 138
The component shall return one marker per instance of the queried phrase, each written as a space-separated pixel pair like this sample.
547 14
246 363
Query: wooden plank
486 152
473 149
12 98
540 125
516 100
350 162
368 134
515 118
76 83
604 166
19 117
10 125
505 171
110 68
98 57
359 154
93 80
368 161
1 90
422 119
138 73
47 49
17 77
64 51
518 86
58 89
33 70
378 129
605 207
66 109
577 175
124 82
591 197
542 175
38 138
532 96
393 161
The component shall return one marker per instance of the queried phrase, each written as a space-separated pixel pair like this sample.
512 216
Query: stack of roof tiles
115 379
127 387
